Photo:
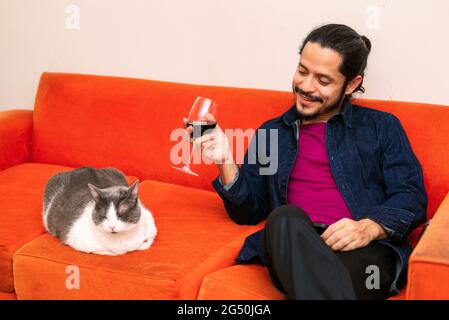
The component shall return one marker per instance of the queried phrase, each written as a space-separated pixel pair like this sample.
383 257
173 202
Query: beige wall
243 43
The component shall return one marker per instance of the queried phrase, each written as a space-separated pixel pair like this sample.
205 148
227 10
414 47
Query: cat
94 211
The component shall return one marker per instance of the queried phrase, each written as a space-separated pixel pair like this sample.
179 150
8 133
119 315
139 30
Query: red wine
199 127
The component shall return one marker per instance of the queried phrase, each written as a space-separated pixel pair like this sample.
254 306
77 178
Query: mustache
307 95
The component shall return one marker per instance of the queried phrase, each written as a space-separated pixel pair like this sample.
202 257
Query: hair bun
367 43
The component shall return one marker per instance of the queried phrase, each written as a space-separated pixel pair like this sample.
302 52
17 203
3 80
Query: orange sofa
126 123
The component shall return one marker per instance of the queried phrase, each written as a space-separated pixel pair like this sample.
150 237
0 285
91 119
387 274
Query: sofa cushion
429 263
195 237
15 137
21 199
239 282
8 296
245 282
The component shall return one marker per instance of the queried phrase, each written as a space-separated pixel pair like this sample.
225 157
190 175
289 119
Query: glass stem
191 155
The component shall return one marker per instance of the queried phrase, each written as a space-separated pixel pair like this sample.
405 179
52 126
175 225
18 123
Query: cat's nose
112 230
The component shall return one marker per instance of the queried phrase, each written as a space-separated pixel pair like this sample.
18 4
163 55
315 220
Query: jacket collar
290 116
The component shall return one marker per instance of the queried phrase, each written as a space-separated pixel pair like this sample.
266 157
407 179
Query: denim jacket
371 161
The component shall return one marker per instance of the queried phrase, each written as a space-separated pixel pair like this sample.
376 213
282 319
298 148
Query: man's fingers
207 144
332 229
342 243
352 246
204 138
188 133
217 127
336 237
189 129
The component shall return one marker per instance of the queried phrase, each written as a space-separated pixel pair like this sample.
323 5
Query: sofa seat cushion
239 282
8 296
195 237
245 282
21 200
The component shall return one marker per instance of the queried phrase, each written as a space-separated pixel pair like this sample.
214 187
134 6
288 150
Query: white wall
243 43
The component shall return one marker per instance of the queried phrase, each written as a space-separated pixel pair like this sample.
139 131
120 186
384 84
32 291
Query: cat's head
116 208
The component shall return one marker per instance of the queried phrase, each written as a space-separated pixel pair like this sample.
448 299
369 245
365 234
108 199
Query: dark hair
353 48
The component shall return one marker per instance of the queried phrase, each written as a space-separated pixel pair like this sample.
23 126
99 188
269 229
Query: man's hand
215 146
347 234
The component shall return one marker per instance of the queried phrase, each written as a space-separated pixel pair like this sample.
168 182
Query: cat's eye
126 205
126 202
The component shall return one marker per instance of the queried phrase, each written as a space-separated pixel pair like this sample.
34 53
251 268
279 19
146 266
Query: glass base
187 170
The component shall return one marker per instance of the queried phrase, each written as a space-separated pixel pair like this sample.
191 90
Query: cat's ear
133 190
94 191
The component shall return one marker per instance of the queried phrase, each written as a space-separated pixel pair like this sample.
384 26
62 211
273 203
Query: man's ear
353 84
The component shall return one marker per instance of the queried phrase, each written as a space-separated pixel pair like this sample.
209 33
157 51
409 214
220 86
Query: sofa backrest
126 123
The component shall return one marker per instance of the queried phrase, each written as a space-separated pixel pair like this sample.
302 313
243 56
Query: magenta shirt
312 186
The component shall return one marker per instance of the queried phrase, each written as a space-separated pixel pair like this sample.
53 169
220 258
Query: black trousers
304 267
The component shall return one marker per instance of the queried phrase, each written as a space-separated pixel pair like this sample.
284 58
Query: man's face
318 85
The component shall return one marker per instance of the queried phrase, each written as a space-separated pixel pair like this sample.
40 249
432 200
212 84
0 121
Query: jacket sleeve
246 199
406 201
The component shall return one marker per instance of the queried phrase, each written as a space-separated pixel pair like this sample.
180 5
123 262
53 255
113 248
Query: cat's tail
53 186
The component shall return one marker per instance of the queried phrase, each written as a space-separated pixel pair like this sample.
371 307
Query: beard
324 110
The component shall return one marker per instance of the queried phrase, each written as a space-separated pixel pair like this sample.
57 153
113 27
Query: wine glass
202 117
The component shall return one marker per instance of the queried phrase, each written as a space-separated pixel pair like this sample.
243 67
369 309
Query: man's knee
287 215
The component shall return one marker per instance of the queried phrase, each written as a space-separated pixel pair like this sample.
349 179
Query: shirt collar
290 116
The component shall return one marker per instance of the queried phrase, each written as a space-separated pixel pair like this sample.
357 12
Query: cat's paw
146 244
105 253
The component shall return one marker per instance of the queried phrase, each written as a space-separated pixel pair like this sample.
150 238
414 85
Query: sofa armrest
428 274
15 137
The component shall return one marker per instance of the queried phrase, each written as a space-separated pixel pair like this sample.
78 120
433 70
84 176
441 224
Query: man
348 190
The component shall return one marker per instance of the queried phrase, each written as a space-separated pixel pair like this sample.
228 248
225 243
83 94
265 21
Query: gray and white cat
94 210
